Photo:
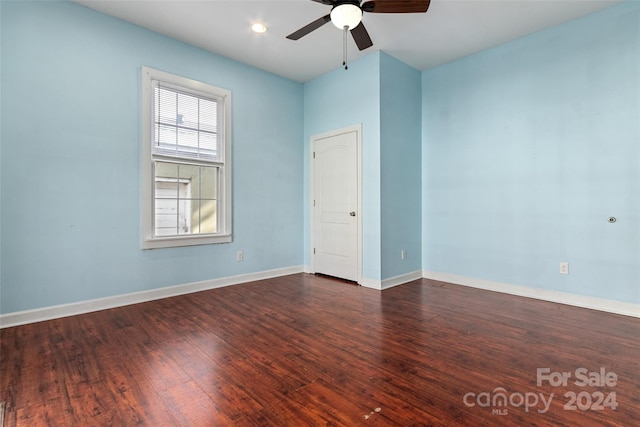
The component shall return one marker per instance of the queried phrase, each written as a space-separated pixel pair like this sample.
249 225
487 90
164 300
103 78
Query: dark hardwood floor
306 350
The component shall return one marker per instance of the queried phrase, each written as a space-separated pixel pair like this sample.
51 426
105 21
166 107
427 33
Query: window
186 162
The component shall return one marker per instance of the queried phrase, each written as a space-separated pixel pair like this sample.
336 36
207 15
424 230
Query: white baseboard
54 312
370 283
401 280
390 282
610 306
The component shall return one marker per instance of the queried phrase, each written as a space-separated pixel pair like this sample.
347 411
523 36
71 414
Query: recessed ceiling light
259 28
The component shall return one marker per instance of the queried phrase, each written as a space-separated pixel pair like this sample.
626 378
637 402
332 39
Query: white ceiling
450 29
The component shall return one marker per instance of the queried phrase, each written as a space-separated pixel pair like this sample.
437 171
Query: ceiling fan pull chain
345 30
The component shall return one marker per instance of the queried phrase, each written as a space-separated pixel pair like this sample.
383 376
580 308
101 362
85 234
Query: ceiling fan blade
309 28
327 2
396 6
361 37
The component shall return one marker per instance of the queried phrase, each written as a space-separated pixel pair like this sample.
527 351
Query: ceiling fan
347 15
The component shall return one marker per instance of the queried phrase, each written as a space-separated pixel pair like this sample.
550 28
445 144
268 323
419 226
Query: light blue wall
528 148
336 100
70 160
400 151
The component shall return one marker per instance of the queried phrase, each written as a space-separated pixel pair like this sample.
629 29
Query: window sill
179 241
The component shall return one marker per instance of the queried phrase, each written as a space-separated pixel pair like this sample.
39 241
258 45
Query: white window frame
224 234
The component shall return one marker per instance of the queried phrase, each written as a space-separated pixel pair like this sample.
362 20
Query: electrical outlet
240 256
403 254
564 268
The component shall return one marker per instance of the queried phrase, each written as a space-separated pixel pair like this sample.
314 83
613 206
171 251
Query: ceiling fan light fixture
346 15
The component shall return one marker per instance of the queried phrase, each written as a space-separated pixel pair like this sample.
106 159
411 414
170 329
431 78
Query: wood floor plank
42 415
216 375
310 350
191 406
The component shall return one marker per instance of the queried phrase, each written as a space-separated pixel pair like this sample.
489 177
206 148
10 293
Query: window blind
187 124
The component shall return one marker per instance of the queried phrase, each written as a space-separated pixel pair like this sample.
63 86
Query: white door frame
358 130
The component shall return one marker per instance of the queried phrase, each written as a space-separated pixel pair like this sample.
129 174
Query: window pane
166 217
190 174
208 216
208 116
184 216
166 106
195 217
209 183
167 170
187 111
166 138
209 146
166 181
188 142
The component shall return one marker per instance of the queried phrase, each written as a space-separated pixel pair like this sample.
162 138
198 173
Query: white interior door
336 205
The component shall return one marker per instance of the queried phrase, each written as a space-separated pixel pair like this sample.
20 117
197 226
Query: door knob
352 213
